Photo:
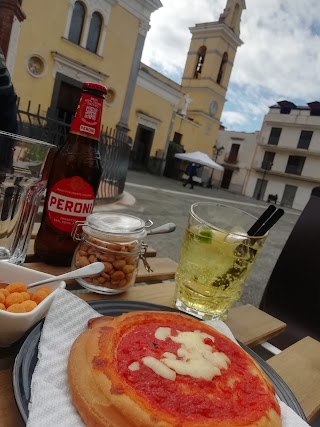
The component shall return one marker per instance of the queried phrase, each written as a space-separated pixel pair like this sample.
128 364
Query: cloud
279 59
234 117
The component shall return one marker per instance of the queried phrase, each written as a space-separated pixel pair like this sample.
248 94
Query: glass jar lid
109 225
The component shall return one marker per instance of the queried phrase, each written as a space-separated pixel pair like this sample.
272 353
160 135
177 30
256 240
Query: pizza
166 369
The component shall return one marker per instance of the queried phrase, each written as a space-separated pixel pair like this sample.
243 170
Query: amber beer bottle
73 180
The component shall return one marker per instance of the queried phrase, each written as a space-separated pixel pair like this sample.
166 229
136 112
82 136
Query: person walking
191 172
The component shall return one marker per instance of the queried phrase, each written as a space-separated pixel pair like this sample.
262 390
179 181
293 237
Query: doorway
65 98
142 147
67 103
288 195
260 189
226 179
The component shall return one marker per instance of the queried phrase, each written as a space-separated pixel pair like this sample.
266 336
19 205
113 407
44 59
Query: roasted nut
117 275
120 267
107 267
92 258
128 268
83 261
114 247
119 264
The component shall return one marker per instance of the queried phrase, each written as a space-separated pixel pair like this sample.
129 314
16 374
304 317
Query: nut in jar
115 240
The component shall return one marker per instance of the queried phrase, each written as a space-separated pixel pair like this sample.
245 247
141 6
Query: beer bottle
73 180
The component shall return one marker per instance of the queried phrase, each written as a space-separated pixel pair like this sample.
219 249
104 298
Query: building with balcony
235 151
287 159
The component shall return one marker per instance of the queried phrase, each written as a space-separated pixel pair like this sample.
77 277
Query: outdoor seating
250 325
292 293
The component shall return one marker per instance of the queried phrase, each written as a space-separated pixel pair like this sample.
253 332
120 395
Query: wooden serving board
163 269
299 366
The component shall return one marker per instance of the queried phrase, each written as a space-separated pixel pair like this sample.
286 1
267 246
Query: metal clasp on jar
143 257
76 234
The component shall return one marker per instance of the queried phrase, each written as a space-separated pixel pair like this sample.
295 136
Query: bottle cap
94 86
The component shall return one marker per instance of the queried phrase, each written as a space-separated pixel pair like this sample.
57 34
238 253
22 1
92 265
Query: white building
235 151
287 159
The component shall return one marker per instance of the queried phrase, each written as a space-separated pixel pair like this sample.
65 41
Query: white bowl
14 325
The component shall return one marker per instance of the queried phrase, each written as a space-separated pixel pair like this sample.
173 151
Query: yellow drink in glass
214 264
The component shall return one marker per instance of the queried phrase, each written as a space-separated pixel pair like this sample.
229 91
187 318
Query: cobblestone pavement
166 200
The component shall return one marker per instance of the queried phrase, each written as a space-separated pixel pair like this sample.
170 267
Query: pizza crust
104 399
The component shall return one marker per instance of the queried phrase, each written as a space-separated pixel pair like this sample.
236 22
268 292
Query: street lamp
215 153
266 166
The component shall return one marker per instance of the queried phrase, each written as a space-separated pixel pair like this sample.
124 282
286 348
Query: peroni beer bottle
73 180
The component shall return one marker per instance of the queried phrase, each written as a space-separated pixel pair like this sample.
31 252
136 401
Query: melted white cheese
159 368
162 333
194 358
135 366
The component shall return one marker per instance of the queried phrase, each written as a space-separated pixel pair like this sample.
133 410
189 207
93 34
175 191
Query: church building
52 47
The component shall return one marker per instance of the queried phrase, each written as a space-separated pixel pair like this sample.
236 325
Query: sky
279 59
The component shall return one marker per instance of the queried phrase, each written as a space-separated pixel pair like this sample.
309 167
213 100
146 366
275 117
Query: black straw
269 223
261 220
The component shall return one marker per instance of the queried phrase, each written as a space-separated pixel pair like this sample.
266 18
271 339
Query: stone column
123 123
9 9
165 151
85 31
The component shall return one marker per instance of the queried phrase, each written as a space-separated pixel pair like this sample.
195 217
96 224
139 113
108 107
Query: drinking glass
216 258
22 183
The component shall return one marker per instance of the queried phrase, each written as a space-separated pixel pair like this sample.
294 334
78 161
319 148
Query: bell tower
209 64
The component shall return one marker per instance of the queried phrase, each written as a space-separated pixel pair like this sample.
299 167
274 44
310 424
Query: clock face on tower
213 106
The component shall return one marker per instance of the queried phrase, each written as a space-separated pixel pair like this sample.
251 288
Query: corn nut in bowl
21 310
115 240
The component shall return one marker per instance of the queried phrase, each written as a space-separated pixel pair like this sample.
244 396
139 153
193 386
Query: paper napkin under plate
50 403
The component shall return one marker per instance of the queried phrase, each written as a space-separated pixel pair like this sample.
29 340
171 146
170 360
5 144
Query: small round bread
161 369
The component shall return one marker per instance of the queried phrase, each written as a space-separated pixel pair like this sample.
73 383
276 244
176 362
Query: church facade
61 44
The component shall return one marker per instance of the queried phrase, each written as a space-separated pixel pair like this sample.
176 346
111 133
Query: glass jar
115 240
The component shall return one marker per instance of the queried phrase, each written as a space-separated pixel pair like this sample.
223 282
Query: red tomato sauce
236 394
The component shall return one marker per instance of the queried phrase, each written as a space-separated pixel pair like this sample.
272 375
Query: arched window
200 60
77 21
94 32
222 67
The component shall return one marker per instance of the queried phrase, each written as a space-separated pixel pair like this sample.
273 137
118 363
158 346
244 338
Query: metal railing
114 146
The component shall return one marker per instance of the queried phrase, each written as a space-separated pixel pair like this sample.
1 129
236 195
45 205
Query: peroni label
87 121
70 200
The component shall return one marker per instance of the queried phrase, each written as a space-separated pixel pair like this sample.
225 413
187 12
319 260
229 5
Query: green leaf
205 236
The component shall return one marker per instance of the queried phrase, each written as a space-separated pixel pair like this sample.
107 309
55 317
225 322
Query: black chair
293 290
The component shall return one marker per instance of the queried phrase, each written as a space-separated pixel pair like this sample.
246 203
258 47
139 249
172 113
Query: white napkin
50 404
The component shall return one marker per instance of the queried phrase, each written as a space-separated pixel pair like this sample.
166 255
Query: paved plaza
165 200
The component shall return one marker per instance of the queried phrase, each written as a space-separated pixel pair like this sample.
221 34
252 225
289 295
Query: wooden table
248 324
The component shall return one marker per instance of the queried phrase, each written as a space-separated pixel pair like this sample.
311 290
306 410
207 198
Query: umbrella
200 158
